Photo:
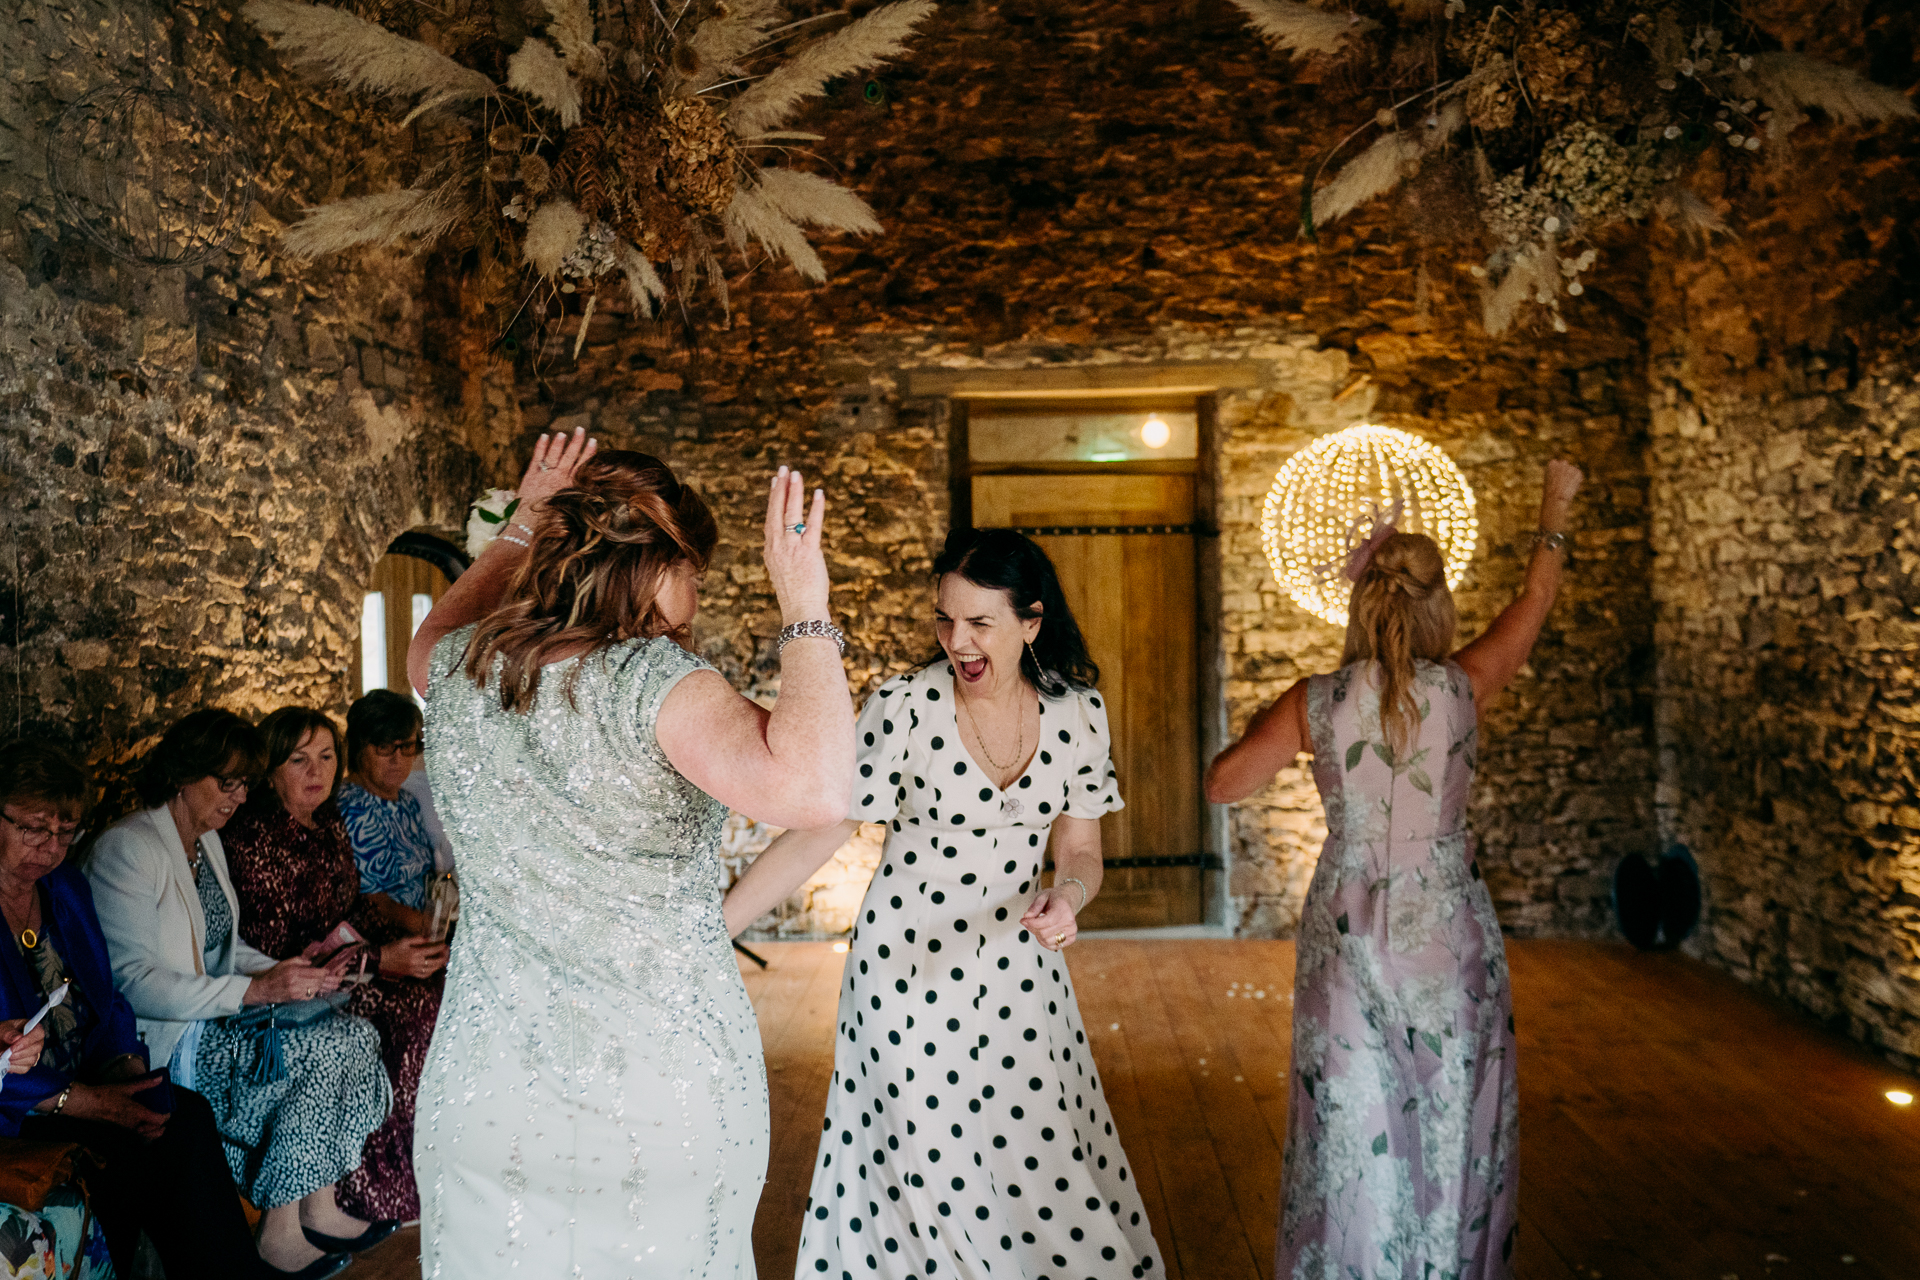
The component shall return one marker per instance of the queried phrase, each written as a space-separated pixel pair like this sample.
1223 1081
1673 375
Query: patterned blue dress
390 842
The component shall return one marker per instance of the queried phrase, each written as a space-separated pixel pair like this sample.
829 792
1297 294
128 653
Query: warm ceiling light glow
1899 1097
1156 432
1337 482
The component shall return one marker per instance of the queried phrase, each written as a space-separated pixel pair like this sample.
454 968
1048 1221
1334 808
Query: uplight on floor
1899 1097
840 948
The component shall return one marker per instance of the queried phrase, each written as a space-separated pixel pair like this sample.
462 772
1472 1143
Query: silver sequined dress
595 1101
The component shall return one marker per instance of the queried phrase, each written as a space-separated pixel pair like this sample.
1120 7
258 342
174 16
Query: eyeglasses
230 786
35 836
412 747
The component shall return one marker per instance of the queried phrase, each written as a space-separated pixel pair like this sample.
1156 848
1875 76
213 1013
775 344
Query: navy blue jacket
76 932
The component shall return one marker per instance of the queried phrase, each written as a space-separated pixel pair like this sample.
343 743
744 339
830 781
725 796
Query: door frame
1209 652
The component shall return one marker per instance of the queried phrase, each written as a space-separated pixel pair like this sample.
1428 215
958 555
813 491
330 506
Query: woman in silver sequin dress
595 1103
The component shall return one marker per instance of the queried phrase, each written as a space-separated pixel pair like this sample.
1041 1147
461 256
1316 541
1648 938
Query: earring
1034 657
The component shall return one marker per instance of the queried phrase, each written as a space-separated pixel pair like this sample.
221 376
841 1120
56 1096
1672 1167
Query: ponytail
1401 613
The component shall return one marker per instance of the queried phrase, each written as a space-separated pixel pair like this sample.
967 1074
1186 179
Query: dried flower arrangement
606 142
1575 118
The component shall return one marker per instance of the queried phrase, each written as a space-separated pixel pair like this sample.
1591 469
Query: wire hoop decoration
150 176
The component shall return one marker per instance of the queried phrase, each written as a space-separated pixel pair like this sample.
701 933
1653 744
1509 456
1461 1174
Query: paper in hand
58 997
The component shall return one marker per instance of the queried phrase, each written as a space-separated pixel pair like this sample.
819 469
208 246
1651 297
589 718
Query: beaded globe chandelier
1325 499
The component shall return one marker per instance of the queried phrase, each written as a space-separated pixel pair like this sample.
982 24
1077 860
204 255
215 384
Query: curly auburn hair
593 575
1401 612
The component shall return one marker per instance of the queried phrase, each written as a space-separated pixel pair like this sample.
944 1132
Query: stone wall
199 467
1786 451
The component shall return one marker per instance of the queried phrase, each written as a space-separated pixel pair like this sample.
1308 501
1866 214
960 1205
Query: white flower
514 209
1723 126
489 516
1686 66
1672 132
1753 144
1736 139
1746 64
1551 225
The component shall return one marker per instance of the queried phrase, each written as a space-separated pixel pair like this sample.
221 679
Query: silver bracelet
1083 890
527 528
518 542
1551 541
813 627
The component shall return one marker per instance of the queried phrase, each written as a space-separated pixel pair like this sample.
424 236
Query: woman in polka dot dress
966 1134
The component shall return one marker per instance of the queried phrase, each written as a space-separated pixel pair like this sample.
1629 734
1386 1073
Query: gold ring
1057 938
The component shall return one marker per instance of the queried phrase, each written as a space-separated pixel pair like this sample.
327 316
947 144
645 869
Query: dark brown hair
283 732
199 745
1401 611
381 717
593 575
1003 560
40 773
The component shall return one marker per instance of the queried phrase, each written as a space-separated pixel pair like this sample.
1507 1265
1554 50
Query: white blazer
149 910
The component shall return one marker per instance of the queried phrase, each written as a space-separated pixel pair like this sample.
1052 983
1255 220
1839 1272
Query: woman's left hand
554 460
25 1048
1050 918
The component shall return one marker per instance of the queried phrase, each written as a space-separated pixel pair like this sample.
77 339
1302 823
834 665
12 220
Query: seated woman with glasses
82 1075
295 874
295 1097
390 837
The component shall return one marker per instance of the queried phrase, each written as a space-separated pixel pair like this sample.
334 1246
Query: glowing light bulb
1899 1097
840 948
1156 432
1308 524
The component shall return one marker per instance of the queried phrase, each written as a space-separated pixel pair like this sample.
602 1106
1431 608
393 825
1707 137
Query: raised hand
554 459
795 563
1556 500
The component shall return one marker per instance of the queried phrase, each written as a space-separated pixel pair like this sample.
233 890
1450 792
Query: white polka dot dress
966 1134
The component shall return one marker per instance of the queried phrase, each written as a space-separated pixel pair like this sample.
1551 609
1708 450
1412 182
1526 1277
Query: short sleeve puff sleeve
1093 789
883 749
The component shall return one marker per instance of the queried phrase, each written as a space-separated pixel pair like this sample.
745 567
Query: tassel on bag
270 1067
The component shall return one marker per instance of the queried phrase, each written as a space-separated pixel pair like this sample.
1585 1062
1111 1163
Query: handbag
263 1023
29 1170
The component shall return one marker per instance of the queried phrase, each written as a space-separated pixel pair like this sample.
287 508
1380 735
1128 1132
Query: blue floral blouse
390 843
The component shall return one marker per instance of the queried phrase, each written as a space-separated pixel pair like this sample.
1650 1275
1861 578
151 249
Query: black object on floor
1657 904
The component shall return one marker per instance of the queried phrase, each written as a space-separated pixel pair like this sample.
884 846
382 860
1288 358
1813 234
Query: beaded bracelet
813 627
518 542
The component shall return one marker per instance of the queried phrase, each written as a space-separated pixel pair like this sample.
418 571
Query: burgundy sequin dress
294 886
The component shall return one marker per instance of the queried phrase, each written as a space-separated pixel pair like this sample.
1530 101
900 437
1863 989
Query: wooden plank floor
1674 1126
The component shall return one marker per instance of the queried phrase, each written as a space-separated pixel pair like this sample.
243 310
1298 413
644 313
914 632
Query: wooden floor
1674 1126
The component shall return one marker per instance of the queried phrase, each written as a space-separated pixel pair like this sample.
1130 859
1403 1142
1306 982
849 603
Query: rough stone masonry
201 467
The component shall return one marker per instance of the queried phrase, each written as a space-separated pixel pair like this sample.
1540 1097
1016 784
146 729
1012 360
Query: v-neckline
959 737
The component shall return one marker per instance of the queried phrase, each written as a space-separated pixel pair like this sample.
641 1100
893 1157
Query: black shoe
376 1231
331 1265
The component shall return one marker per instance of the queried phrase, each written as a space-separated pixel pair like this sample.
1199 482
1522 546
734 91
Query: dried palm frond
866 43
365 55
643 282
1382 166
419 214
808 198
1302 29
572 30
537 70
1532 273
722 41
752 216
552 232
1785 81
1695 219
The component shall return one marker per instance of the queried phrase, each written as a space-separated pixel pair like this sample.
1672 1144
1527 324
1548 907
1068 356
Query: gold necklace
1020 744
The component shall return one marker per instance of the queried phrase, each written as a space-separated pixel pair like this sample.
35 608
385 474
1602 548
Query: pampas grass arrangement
1578 118
1301 29
619 148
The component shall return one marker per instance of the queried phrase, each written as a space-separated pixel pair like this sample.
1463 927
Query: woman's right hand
295 979
1556 499
116 1104
412 958
24 1048
794 560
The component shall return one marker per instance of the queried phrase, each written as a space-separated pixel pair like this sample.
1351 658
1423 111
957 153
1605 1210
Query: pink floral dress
1402 1137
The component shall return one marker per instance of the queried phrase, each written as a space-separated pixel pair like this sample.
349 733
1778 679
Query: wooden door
1131 587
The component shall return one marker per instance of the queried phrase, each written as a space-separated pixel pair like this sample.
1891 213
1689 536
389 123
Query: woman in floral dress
1402 1134
294 872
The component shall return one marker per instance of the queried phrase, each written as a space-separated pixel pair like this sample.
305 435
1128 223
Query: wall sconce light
1156 432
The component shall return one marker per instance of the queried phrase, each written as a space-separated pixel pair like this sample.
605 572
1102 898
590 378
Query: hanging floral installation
1568 121
587 143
